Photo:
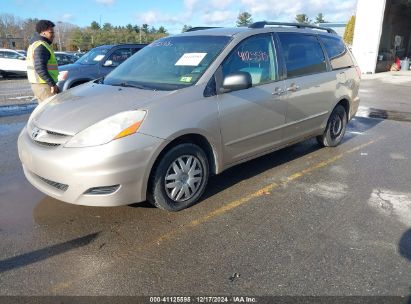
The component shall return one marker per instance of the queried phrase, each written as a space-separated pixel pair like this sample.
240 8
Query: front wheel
180 178
335 130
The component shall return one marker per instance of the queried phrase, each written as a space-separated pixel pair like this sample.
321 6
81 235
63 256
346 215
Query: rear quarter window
337 52
302 53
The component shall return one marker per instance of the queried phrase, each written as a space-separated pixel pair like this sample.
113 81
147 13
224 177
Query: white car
12 63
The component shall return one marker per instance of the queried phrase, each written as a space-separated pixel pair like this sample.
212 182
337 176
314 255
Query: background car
65 58
97 63
23 52
12 63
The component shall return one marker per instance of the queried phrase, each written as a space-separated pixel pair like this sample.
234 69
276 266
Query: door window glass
120 55
303 54
11 55
255 55
337 52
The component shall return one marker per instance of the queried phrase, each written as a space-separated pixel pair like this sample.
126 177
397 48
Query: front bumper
68 173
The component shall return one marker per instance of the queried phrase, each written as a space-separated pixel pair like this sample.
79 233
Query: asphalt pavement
302 221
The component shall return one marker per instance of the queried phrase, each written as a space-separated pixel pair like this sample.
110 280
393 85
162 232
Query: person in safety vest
42 68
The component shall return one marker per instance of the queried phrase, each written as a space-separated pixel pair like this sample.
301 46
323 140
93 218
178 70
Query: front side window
337 52
93 57
11 55
254 55
170 63
303 54
120 55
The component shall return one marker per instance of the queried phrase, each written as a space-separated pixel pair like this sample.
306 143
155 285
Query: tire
180 178
335 130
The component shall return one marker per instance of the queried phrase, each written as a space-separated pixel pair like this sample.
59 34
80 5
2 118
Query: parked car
12 63
186 107
64 58
23 52
76 54
97 63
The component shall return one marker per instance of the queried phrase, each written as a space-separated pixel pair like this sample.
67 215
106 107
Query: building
382 33
10 42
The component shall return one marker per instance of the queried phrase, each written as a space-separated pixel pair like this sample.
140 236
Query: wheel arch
193 138
346 104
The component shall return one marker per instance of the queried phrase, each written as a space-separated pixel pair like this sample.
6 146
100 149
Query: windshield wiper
137 86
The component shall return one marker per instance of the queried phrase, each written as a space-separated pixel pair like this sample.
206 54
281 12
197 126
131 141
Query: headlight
62 75
111 128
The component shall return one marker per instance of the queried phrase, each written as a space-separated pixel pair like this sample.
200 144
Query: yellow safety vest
51 63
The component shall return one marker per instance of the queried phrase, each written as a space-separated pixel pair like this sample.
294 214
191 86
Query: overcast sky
174 14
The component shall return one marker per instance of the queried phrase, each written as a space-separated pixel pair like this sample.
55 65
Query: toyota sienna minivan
189 106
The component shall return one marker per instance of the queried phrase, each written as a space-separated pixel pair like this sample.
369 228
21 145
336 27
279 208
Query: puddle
12 110
7 129
383 114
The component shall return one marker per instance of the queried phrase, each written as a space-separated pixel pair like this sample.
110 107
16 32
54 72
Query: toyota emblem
35 132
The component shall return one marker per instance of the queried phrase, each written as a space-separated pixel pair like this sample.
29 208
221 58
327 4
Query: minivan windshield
94 56
169 63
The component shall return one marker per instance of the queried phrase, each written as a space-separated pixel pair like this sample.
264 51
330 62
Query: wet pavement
300 221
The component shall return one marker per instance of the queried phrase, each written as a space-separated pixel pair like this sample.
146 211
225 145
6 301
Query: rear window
337 52
303 54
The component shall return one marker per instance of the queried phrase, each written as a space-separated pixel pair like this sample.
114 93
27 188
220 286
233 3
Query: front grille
102 190
58 186
48 138
46 144
55 133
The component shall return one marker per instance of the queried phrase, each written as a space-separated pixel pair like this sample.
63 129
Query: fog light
102 190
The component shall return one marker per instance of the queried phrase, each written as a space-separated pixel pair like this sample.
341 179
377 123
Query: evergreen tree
162 30
95 26
320 18
302 18
244 19
186 28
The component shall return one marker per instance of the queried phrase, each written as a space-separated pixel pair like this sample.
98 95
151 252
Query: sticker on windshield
191 59
186 79
98 57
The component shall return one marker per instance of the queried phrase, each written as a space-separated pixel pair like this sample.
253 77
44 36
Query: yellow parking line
259 193
234 204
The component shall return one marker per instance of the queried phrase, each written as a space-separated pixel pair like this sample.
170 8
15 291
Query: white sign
98 57
191 59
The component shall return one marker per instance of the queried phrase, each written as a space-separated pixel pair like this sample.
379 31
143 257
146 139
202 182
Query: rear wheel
335 130
180 178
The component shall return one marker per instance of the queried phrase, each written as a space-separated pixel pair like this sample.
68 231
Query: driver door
251 120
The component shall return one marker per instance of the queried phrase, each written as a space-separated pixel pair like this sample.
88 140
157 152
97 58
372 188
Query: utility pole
58 34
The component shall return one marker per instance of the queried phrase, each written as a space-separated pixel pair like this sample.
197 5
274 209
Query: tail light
357 68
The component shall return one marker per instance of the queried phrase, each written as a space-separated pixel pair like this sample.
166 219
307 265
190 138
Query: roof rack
200 28
262 24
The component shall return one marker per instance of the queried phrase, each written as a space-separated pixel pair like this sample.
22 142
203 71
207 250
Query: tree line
70 37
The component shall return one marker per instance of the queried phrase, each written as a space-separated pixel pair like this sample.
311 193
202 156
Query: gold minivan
188 106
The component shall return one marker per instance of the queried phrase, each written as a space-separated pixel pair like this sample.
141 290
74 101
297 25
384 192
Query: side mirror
21 58
236 81
108 63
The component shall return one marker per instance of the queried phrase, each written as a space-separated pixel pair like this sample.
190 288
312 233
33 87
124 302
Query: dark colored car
97 63
64 58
